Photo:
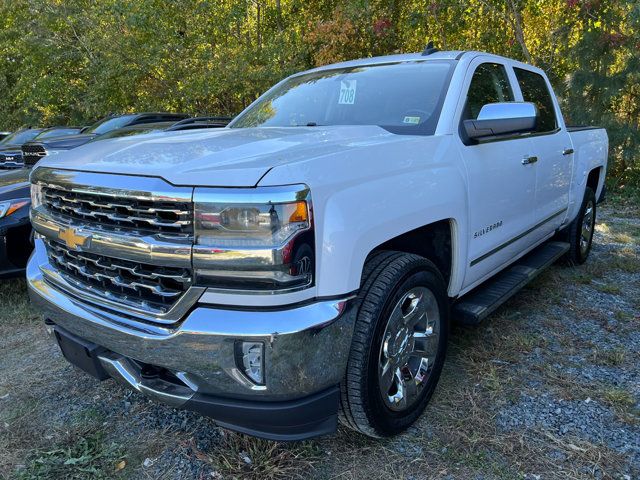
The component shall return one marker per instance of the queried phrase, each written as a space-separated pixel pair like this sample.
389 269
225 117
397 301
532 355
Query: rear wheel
399 344
579 233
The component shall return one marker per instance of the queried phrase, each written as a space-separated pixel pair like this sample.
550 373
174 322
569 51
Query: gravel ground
548 387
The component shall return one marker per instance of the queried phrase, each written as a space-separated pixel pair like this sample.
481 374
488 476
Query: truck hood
227 157
66 142
10 149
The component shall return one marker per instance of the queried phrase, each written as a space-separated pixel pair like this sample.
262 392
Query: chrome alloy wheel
586 232
409 348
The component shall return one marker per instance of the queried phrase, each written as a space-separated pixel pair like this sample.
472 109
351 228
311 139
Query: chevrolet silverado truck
302 265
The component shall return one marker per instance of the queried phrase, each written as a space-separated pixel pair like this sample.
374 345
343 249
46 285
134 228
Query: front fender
374 194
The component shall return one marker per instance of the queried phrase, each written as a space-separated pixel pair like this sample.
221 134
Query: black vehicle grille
32 154
147 287
121 213
11 161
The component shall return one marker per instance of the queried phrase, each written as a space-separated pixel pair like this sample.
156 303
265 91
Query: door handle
567 151
529 160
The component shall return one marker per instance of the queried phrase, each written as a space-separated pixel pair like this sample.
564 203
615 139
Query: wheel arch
435 241
595 181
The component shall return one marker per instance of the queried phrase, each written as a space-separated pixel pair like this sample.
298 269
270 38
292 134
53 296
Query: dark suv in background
10 145
11 153
187 124
35 150
15 229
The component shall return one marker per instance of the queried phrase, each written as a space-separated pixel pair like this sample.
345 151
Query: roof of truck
404 57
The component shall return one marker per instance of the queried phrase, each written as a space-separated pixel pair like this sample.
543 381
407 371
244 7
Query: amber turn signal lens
300 212
16 206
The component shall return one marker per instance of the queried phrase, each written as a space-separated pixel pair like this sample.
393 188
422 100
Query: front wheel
579 233
399 344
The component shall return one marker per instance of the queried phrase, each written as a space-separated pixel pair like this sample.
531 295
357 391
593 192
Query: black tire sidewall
579 257
386 421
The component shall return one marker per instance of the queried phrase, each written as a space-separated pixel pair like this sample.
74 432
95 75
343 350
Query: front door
501 187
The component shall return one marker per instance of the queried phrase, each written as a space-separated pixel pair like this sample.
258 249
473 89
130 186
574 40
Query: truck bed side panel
591 147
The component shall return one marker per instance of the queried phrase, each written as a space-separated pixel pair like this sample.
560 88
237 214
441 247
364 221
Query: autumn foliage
72 61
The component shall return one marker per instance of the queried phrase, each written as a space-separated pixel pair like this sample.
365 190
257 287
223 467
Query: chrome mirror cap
502 118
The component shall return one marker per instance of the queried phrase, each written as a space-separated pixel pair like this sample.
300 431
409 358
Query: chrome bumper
306 347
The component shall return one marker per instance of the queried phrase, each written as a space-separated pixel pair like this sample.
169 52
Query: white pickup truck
303 264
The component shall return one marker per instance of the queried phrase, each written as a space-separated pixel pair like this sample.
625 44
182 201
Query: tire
580 234
390 328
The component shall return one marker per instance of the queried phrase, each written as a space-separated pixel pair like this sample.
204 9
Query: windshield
20 137
107 124
58 132
401 97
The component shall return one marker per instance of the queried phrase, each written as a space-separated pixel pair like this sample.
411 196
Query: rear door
501 188
552 147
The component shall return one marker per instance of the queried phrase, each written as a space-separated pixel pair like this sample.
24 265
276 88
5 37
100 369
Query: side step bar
479 303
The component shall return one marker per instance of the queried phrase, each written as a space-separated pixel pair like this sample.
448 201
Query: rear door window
534 89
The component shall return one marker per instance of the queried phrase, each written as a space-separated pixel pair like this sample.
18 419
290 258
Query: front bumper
306 350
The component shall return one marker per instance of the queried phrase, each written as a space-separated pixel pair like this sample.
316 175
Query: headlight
8 207
254 239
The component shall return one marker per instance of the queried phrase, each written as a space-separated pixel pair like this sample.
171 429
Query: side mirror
500 118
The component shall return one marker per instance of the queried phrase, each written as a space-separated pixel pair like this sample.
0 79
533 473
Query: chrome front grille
118 242
120 213
31 154
150 288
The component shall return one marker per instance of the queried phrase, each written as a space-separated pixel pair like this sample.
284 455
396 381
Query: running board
479 303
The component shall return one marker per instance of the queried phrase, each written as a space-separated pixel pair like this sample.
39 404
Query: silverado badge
73 238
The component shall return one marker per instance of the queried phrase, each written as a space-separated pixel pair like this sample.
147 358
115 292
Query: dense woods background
73 61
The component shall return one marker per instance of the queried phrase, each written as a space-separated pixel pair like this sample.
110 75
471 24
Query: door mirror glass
502 118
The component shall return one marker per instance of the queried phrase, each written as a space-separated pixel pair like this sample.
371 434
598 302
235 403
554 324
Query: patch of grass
89 416
16 309
625 200
611 358
610 288
86 456
627 260
624 404
618 398
528 341
622 316
16 411
493 379
479 460
247 457
582 277
620 232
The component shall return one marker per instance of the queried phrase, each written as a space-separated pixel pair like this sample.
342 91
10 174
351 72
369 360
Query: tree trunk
516 23
258 25
279 15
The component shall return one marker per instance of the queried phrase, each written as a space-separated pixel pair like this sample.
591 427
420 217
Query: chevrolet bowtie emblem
73 238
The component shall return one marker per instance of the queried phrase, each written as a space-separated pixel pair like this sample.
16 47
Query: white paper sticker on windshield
347 92
411 120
